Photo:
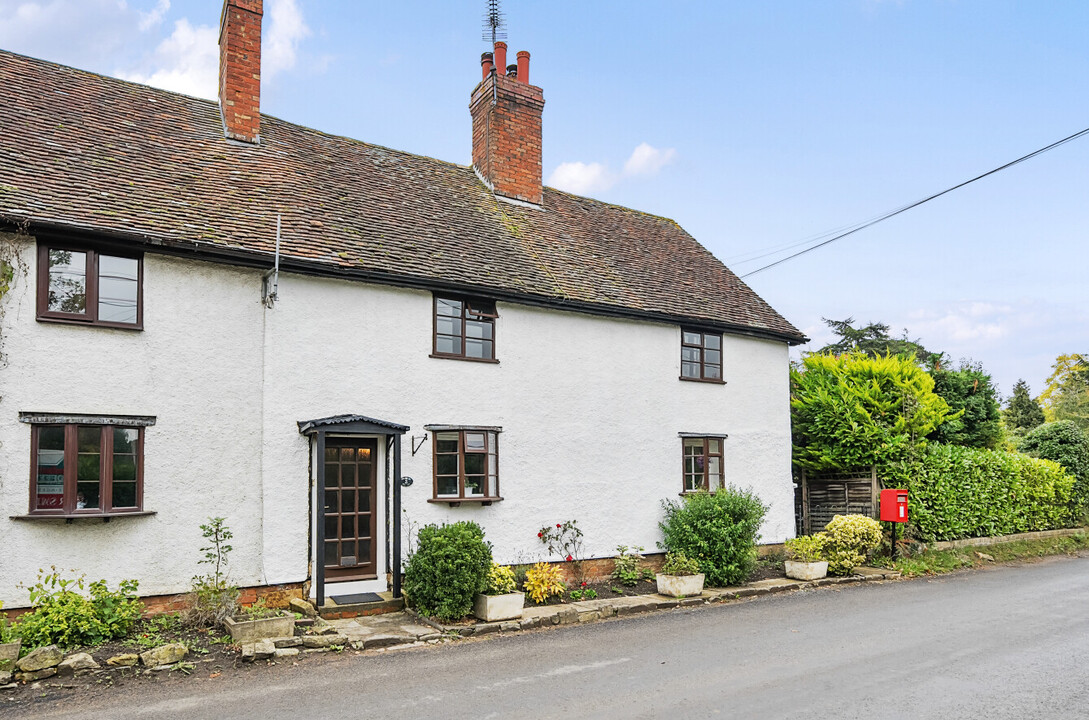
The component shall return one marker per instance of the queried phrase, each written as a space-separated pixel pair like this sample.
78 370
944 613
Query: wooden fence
818 497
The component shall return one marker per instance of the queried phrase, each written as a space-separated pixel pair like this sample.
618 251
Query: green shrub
958 492
679 564
62 615
628 566
449 568
1065 443
717 530
213 598
805 548
7 632
500 580
853 411
847 540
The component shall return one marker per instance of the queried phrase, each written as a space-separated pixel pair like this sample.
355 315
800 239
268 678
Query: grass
935 562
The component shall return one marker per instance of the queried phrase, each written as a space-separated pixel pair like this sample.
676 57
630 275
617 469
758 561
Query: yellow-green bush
543 581
805 548
847 540
500 580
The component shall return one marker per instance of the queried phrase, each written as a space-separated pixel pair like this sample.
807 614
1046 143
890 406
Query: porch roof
356 424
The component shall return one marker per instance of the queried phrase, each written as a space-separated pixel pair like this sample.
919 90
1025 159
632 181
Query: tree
1022 411
853 411
1065 443
967 390
872 340
1066 396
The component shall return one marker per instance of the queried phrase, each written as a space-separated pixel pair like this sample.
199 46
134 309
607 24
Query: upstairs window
464 329
466 464
82 285
701 356
702 464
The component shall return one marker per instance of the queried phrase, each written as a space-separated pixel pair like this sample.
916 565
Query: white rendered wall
196 368
590 407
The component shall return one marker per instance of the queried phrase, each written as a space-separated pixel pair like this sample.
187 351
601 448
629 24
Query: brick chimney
240 69
506 112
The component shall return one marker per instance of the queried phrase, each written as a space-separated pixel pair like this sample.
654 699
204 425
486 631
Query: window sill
699 380
89 323
104 517
490 361
454 502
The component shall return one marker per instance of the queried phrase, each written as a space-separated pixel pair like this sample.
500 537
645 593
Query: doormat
356 599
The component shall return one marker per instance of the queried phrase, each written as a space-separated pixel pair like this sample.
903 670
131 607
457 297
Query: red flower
584 583
540 534
569 558
558 525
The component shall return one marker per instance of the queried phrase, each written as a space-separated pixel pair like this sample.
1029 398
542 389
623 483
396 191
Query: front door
350 507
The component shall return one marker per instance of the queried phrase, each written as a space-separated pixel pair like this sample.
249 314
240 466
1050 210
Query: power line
917 203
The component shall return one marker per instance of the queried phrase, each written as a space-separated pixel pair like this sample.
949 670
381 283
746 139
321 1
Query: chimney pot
240 69
523 66
486 65
501 55
507 130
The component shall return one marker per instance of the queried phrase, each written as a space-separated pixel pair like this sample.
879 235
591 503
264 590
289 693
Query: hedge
958 492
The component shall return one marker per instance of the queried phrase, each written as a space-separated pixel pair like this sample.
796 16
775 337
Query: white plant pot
679 585
492 608
248 631
806 571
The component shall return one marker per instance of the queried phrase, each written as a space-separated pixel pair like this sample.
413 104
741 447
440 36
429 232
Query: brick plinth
507 136
240 69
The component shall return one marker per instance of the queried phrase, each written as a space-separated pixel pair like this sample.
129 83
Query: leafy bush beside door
449 568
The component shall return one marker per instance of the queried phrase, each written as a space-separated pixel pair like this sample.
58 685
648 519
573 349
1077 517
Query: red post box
894 506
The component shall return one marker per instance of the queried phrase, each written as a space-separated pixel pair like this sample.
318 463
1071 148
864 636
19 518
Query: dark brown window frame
71 465
461 497
703 364
706 456
90 317
466 310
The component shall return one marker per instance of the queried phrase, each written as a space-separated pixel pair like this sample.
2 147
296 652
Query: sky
755 125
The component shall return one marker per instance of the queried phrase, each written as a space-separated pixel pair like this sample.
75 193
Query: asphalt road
1006 642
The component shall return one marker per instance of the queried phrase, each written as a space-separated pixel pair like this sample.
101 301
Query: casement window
466 465
464 329
86 469
701 356
79 284
702 463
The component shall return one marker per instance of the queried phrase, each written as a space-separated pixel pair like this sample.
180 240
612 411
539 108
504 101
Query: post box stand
894 509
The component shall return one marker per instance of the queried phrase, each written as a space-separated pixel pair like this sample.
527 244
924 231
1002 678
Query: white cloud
186 62
285 30
581 178
152 18
647 160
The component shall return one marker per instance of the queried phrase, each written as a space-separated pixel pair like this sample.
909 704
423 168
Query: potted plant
258 622
9 649
680 576
499 601
805 555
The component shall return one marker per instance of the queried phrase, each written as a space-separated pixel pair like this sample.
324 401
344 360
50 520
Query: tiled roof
97 154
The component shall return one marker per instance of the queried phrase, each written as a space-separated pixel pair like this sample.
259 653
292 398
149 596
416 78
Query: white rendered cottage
440 342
